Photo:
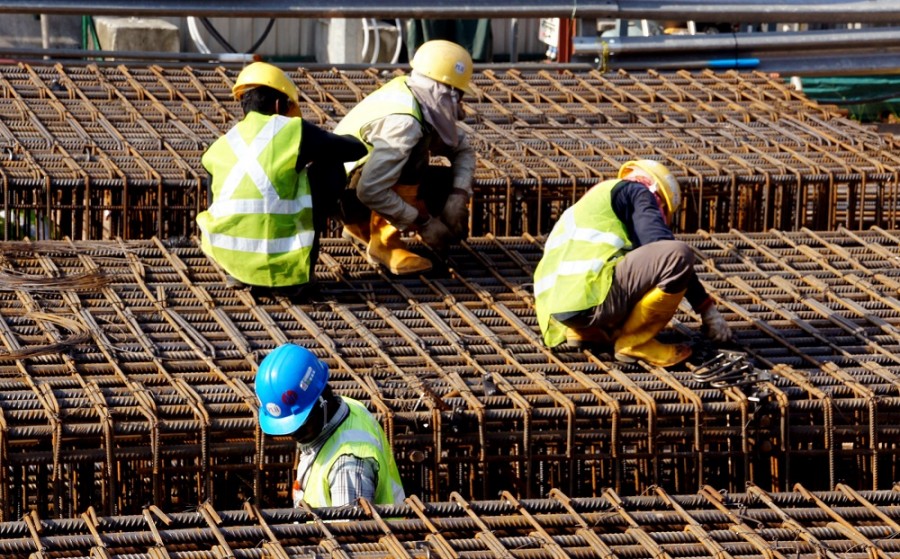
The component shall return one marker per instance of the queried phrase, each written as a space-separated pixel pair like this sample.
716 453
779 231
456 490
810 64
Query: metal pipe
761 42
860 11
810 53
796 64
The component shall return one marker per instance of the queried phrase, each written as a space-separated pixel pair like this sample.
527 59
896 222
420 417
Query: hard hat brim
282 425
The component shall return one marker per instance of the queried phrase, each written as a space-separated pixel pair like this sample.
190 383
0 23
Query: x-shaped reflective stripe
248 165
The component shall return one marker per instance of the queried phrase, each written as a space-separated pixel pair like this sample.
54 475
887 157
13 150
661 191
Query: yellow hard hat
445 62
666 184
262 73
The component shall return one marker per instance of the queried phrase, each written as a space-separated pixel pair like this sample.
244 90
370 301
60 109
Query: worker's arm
322 147
636 207
463 161
393 139
351 478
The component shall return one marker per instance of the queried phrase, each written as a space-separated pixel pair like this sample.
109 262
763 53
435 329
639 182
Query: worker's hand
714 325
456 213
435 234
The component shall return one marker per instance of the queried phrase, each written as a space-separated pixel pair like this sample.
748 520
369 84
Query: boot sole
622 358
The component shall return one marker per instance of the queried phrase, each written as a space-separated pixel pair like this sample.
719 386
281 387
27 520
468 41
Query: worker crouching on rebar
613 273
393 188
275 178
343 451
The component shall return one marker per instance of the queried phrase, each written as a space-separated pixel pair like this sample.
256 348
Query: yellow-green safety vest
393 97
360 435
259 227
576 270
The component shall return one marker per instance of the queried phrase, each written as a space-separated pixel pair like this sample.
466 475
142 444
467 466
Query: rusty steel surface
127 369
98 150
802 524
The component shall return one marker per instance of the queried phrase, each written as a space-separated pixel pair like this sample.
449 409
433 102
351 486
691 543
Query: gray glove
435 234
714 325
456 213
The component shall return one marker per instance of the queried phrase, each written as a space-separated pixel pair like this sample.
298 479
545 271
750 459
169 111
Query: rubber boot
388 249
358 232
637 336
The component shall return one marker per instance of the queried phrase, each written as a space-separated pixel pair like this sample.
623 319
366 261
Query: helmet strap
323 403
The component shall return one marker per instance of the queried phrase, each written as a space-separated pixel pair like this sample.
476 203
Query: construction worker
275 178
393 188
612 271
343 451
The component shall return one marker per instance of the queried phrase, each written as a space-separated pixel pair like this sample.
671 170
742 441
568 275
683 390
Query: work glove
455 214
435 234
714 325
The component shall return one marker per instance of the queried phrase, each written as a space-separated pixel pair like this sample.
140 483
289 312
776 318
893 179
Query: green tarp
867 98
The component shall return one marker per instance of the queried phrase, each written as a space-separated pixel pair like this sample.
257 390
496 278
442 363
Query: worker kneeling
344 453
275 178
612 271
393 188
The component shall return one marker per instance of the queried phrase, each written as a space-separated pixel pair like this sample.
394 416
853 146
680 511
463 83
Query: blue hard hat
289 382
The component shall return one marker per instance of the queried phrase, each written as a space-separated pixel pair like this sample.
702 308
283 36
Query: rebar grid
99 150
134 385
841 523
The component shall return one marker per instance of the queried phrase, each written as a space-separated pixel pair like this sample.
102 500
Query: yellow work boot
637 336
388 249
358 232
583 337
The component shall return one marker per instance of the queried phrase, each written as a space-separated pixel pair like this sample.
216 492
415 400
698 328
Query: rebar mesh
98 150
156 404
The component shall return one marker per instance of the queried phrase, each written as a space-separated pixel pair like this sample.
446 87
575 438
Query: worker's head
290 382
265 88
659 180
444 62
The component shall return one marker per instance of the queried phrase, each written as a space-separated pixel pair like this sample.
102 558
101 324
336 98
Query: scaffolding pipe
762 11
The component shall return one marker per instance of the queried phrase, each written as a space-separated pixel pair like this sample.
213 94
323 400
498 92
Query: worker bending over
612 271
275 178
403 124
343 452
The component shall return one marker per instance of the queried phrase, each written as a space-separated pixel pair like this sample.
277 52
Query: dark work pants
327 183
668 265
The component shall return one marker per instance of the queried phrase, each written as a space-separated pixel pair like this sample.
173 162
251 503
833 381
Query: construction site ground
128 420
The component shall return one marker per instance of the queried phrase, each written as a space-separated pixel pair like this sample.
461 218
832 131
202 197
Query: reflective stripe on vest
576 269
360 435
393 97
259 226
